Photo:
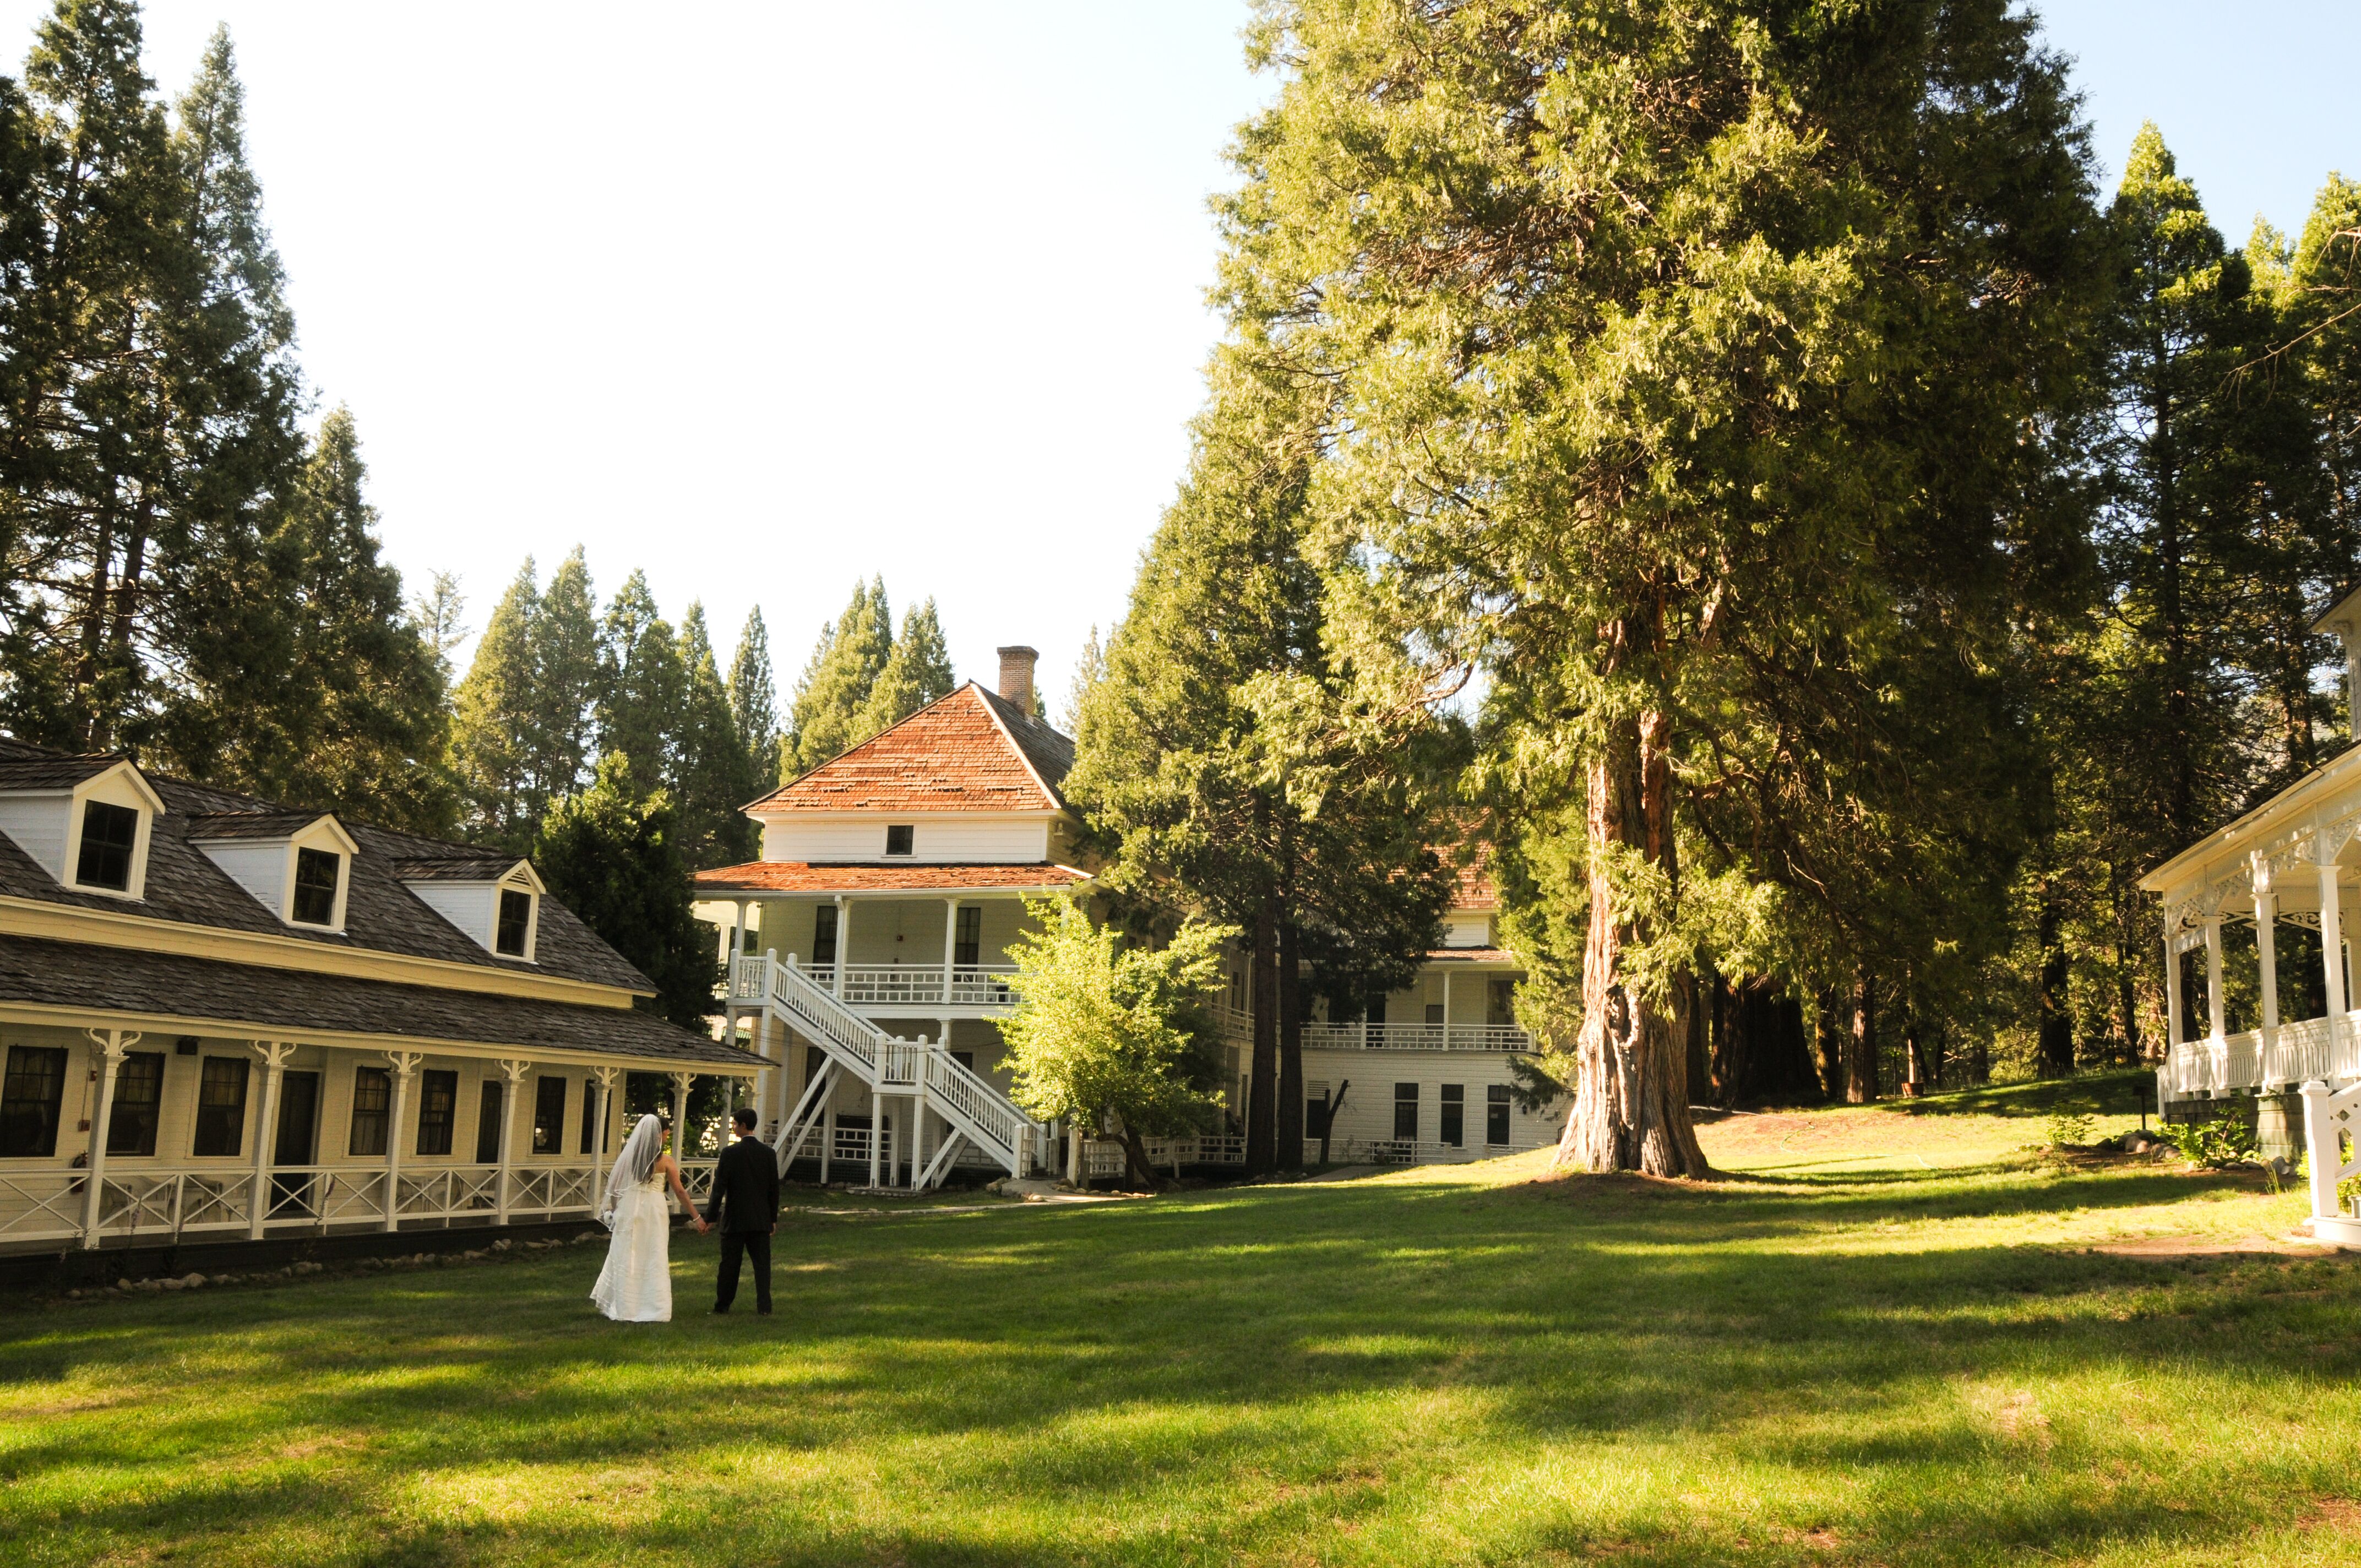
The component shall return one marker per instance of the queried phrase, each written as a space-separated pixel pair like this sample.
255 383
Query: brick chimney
1017 676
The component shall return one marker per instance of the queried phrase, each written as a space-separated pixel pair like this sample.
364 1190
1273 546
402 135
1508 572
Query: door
295 1144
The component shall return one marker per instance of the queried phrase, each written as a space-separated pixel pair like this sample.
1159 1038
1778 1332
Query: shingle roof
455 868
30 768
802 876
117 979
248 824
380 914
971 750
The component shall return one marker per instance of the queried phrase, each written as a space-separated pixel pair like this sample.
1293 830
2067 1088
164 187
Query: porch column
843 943
950 949
274 1067
600 1086
680 1121
405 1068
111 1044
504 1192
2172 1010
876 1128
2214 1011
1446 1008
2266 915
769 1075
2332 952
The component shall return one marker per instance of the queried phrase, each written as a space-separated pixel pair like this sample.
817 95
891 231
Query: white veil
637 1161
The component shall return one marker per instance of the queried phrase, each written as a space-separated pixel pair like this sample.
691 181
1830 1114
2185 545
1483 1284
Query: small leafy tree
1106 1029
612 856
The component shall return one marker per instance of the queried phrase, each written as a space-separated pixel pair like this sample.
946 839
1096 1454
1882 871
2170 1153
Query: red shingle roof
804 876
969 752
1475 889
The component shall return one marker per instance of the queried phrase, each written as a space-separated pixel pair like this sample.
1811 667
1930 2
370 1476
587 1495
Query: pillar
274 1067
2266 915
680 1121
843 944
2174 1029
504 1193
2331 953
110 1043
405 1068
2215 1010
2325 1147
600 1085
1447 1009
876 1123
950 950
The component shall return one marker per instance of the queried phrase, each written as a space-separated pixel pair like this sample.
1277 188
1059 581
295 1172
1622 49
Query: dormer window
319 877
515 930
899 839
110 842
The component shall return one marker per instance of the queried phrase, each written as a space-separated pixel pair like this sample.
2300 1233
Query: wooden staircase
924 1072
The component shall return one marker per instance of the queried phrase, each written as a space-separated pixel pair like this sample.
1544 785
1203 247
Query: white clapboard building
870 961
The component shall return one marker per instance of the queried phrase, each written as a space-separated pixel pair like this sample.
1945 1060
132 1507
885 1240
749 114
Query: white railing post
2217 1011
405 1065
274 1067
504 1195
2267 913
2331 953
600 1085
2323 1147
110 1043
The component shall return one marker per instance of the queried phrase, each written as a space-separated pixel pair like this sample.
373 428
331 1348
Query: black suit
745 1204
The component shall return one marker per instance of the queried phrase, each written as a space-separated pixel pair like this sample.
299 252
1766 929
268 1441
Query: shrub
2069 1129
2224 1141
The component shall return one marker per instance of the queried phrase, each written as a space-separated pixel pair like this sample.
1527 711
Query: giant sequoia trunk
2057 1027
1290 1049
1860 1043
1631 1098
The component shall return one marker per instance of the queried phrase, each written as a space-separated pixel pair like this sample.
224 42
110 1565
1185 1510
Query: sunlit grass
1880 1337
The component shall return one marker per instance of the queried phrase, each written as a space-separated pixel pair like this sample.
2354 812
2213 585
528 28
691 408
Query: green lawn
1884 1339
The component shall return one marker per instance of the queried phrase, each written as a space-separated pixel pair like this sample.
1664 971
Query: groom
745 1204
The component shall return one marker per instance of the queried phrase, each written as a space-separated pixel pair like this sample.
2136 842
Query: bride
636 1285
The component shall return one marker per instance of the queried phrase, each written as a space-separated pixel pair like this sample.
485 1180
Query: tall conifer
754 702
709 779
918 671
831 701
642 686
496 741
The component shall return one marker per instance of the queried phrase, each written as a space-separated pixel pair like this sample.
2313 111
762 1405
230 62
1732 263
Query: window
1496 1114
221 1106
29 1098
967 943
589 1116
1377 1008
1500 1005
1455 1104
317 873
898 839
372 1104
549 1117
516 923
824 936
139 1098
109 835
438 1107
1434 1011
488 1126
1406 1112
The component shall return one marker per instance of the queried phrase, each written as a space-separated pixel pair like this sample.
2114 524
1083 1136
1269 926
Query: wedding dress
636 1285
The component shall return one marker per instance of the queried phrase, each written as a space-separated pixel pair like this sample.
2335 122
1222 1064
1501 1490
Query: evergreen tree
496 740
754 702
710 773
1676 463
570 678
831 701
611 854
643 686
440 612
918 671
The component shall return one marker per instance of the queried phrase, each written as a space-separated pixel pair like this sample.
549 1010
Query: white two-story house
891 882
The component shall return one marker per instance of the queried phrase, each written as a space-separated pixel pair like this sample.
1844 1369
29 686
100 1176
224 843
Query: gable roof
381 914
973 751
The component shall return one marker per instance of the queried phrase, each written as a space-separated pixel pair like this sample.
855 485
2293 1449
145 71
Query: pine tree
440 612
496 740
642 686
709 778
754 702
611 854
918 671
569 680
831 700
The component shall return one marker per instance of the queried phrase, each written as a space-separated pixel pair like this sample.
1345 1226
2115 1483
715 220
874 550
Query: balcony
1239 1026
885 986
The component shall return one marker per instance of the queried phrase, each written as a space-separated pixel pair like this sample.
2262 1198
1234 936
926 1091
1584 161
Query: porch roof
2311 820
94 981
823 877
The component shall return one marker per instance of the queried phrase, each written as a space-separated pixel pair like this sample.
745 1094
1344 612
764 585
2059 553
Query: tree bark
2056 1033
1631 1099
1860 1054
1291 1048
1831 1054
1135 1154
1262 1088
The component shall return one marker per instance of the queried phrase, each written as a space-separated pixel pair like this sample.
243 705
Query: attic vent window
317 873
898 838
516 920
109 835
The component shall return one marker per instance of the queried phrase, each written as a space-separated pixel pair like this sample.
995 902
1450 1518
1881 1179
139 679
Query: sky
784 295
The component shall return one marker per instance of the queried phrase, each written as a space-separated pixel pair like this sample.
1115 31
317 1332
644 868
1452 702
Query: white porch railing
147 1204
1415 1037
2296 1054
914 985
